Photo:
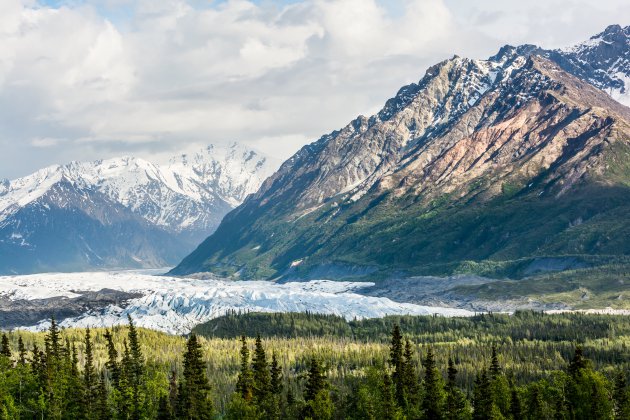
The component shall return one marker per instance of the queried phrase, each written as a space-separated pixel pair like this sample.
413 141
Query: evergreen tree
318 402
316 380
260 373
276 376
482 398
173 395
126 403
621 396
102 405
433 395
90 381
455 407
495 368
135 352
194 399
21 352
112 359
54 339
578 362
5 348
389 408
164 409
515 404
74 362
499 387
411 389
135 369
244 383
396 362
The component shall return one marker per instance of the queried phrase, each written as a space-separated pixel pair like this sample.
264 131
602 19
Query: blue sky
102 78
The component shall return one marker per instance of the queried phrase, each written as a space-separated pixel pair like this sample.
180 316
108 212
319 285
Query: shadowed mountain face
511 158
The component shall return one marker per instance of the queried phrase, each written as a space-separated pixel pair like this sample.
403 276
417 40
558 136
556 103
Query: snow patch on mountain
178 196
176 305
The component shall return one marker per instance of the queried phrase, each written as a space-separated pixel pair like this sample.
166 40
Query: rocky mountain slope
483 163
122 212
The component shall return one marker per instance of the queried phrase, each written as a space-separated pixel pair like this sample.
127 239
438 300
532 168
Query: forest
306 366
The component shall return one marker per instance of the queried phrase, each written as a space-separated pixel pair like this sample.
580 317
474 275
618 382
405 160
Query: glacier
175 305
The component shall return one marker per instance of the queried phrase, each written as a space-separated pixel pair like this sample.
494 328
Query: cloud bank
97 78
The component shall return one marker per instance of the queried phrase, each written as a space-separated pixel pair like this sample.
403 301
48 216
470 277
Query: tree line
62 380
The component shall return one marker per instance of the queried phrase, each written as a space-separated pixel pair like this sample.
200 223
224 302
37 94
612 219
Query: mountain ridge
473 139
148 215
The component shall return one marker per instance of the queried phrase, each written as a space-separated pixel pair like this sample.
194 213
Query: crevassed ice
176 305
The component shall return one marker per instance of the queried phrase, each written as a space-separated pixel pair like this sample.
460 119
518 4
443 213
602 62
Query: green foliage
194 396
433 389
382 234
331 377
285 325
245 381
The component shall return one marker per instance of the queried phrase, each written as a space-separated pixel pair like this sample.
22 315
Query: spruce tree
126 404
455 407
112 359
5 348
102 404
194 400
244 385
388 407
90 381
136 359
578 362
516 410
173 391
410 381
54 339
21 351
276 376
318 402
135 368
260 372
495 368
164 409
621 396
396 362
482 398
74 362
499 387
316 381
433 395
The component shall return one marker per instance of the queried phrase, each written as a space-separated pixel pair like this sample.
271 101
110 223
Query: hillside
481 162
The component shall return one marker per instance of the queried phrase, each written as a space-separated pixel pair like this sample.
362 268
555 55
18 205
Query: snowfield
176 305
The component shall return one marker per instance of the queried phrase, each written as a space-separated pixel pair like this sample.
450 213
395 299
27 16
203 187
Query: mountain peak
479 160
181 203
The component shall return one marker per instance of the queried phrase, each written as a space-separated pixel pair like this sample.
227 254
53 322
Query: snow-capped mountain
122 212
504 159
603 60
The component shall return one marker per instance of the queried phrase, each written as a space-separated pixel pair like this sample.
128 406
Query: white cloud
45 142
150 78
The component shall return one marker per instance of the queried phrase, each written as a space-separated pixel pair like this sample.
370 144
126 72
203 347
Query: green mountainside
535 168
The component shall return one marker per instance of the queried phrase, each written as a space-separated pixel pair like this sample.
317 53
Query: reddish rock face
471 131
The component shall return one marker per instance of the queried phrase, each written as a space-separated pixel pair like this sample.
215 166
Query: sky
92 79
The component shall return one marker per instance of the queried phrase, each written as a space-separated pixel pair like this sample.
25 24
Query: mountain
123 212
603 60
491 166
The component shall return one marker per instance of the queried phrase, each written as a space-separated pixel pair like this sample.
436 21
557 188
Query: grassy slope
397 236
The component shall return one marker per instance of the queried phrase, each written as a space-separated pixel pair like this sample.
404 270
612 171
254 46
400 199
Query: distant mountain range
123 212
494 166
